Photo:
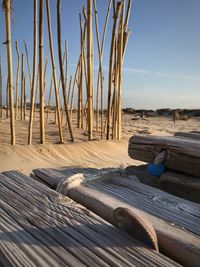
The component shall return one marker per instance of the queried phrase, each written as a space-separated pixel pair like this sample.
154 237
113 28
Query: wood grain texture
40 227
175 220
181 185
182 154
190 135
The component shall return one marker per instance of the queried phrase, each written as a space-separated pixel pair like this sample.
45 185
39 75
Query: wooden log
175 220
181 185
182 154
190 135
46 228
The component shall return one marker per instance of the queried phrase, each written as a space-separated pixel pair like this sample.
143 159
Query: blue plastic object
155 169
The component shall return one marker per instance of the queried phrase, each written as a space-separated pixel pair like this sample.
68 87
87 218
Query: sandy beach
97 153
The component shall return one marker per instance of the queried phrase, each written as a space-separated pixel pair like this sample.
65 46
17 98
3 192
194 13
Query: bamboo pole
33 85
36 93
1 91
54 72
80 95
22 84
7 5
50 92
119 4
70 87
7 97
66 66
28 64
41 70
100 79
73 89
90 68
59 32
17 80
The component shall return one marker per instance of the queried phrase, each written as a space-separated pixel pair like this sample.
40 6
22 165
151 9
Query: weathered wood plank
168 214
44 228
181 185
182 154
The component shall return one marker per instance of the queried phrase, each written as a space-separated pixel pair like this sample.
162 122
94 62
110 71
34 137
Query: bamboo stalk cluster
90 112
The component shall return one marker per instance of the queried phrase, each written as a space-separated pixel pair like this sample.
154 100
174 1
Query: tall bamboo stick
28 64
41 70
59 32
54 71
120 58
22 84
80 95
49 101
66 63
24 97
100 79
90 68
119 4
17 80
7 5
73 88
1 89
33 85
7 97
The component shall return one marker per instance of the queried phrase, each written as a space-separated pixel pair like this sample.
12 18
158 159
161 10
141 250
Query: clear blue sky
162 63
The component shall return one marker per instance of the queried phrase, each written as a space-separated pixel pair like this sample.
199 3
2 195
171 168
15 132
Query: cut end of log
66 184
137 226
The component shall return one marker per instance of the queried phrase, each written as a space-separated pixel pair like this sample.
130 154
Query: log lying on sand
182 154
190 135
176 221
181 185
40 227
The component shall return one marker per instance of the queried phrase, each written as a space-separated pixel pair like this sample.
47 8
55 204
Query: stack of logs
182 162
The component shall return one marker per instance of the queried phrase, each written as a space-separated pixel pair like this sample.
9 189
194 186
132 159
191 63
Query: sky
162 63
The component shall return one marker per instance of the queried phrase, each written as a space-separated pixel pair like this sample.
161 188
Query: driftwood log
182 154
181 185
176 221
40 227
190 135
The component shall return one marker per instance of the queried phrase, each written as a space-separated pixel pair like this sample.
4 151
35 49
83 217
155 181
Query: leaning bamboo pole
22 84
41 70
110 78
73 89
28 64
33 85
1 92
17 80
59 35
90 68
49 101
54 71
7 5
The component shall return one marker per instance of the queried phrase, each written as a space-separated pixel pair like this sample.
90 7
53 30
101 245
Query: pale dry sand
97 154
